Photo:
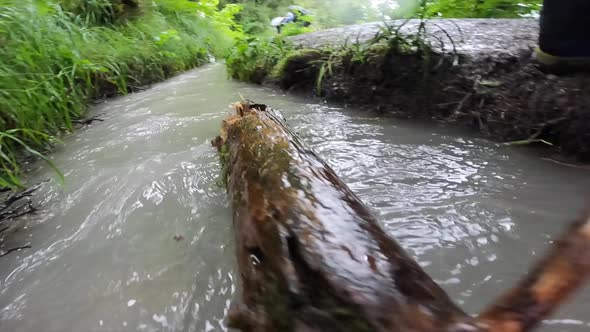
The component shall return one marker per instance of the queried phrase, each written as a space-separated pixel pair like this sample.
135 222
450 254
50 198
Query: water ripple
140 236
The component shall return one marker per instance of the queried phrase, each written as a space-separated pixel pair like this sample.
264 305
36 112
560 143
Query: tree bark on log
312 257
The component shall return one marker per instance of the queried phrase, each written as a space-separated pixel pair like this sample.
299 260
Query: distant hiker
277 22
296 14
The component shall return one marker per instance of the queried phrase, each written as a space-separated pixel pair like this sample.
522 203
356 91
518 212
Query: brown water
104 257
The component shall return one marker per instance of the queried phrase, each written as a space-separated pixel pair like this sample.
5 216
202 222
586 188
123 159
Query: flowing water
140 239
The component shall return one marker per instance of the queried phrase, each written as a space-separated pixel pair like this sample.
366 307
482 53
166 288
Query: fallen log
312 257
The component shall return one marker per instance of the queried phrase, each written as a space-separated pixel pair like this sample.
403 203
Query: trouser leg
565 28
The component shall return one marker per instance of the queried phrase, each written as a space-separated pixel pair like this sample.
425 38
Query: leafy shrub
54 61
483 8
253 58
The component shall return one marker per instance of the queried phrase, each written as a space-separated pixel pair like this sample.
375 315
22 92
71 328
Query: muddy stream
139 238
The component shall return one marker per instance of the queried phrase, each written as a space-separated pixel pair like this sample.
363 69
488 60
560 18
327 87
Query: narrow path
472 37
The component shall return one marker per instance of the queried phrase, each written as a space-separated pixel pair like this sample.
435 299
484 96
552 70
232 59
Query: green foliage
54 62
331 13
293 29
11 143
483 8
255 16
57 55
258 57
253 58
101 11
326 70
461 8
390 36
387 9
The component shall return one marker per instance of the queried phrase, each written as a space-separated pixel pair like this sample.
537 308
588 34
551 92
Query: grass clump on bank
258 59
57 56
255 58
252 59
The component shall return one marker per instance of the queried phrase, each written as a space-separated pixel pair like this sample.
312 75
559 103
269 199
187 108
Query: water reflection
426 193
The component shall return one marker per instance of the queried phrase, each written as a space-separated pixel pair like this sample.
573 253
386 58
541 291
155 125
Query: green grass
54 62
483 8
254 58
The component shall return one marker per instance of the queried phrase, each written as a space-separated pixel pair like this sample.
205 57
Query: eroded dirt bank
478 73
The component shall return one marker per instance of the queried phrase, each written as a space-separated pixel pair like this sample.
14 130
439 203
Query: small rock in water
178 237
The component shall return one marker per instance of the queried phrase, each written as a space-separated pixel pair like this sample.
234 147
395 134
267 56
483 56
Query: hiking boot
565 62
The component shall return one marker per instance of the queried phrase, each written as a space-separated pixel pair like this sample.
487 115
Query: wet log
312 257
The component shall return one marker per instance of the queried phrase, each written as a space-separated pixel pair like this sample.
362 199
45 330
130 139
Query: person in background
290 18
564 39
300 15
295 15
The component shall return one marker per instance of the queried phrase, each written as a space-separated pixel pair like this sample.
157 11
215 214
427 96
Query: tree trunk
312 257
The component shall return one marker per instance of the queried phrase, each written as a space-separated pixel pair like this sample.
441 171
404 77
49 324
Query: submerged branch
553 280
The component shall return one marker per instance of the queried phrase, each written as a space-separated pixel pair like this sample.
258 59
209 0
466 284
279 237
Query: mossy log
312 257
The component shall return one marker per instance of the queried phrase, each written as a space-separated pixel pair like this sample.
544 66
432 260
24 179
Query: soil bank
476 72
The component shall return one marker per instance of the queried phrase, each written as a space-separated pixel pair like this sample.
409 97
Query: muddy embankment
477 73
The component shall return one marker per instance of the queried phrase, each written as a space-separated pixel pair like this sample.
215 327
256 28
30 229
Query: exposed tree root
13 206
